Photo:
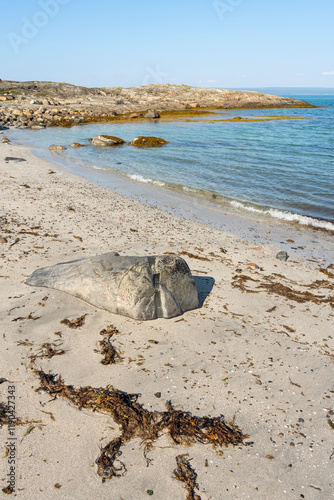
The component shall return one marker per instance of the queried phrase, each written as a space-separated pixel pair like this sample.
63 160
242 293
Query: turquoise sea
283 168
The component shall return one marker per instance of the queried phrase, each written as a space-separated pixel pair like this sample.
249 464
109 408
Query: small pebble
282 256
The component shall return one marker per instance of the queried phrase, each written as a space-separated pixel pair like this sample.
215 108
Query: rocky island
41 104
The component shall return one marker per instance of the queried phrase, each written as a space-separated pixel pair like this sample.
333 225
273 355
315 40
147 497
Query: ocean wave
287 216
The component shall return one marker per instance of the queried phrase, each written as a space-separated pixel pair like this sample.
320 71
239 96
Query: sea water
281 168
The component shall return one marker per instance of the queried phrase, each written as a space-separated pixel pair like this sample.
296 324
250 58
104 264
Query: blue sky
227 43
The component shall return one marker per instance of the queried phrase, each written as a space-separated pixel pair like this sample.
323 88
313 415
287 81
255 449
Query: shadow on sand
204 285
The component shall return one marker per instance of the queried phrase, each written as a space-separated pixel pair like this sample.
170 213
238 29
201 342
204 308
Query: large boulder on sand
142 288
107 140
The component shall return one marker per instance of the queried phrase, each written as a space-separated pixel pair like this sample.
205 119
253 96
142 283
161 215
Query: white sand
261 357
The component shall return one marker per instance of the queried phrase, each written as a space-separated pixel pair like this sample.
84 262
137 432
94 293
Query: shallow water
283 168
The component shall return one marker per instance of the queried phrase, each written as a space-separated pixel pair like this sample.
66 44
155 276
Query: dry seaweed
110 355
48 350
74 323
188 254
186 474
4 411
283 290
107 349
136 422
22 318
8 490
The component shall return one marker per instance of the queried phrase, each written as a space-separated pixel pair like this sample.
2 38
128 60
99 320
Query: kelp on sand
182 427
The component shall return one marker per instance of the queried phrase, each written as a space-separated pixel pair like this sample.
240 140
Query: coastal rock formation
142 288
151 142
107 140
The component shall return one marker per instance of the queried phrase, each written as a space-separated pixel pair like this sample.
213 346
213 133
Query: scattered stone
5 140
282 256
55 147
12 158
330 269
142 288
152 114
7 97
37 127
107 140
78 145
151 142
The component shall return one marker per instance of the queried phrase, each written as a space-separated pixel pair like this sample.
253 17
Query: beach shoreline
259 348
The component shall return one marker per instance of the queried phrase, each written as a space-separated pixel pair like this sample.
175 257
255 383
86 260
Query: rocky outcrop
143 288
41 104
151 142
107 140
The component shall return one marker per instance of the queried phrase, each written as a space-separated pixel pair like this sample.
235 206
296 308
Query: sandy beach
260 350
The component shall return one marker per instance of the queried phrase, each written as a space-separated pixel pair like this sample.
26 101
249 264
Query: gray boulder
142 288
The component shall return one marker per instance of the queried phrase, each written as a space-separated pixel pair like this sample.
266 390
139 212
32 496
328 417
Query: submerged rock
151 142
142 288
55 147
107 140
78 145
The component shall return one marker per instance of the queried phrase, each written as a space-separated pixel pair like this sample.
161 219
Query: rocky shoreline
37 105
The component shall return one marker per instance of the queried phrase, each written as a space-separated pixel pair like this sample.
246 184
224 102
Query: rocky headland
38 105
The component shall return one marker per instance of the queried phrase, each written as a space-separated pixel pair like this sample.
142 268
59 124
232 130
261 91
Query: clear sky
210 43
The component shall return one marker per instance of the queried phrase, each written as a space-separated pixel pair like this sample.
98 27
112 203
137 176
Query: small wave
287 216
95 167
147 180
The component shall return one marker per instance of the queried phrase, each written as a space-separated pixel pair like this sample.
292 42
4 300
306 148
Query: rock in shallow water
107 140
142 288
147 141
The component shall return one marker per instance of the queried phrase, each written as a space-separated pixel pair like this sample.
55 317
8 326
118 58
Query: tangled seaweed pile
135 421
